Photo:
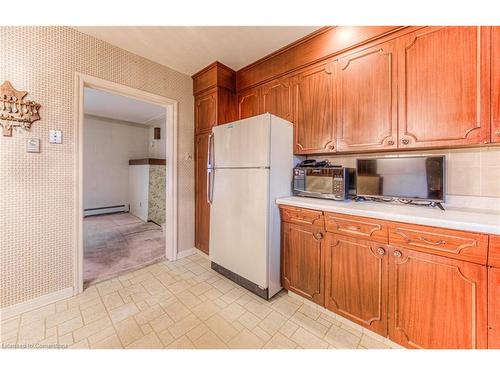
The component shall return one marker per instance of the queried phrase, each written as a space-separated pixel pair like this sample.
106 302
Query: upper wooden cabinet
205 115
444 80
276 98
436 302
302 260
314 129
249 103
367 99
495 84
356 281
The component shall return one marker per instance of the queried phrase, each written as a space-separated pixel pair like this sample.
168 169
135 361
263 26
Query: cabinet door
205 112
367 100
495 84
276 98
302 261
436 302
494 308
356 281
248 103
444 80
314 128
202 208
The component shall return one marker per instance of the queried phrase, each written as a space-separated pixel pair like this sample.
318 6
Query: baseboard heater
105 210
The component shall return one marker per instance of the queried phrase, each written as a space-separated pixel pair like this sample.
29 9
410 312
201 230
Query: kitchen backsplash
473 172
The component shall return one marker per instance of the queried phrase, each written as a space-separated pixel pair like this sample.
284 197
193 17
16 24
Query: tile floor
117 243
183 304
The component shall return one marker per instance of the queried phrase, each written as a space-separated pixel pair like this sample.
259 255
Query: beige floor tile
237 325
260 310
111 342
123 312
209 340
181 343
61 317
101 335
179 286
198 331
233 295
272 323
279 341
249 320
341 338
183 326
33 332
188 299
244 299
112 301
50 331
150 341
69 326
128 331
221 328
205 310
165 337
89 303
49 341
285 307
66 339
370 343
223 285
176 310
311 325
61 305
245 340
83 344
232 312
213 294
149 314
200 288
90 329
38 314
307 340
146 329
309 311
161 323
154 287
94 313
263 335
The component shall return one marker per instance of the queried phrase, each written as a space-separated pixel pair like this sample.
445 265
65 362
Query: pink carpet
118 243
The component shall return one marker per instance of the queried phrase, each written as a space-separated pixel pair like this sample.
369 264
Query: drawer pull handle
380 251
423 239
353 227
397 254
318 236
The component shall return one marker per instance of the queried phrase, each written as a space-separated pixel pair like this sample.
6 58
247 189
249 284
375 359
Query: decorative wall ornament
14 111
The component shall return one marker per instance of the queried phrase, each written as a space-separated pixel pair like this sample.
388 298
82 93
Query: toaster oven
329 182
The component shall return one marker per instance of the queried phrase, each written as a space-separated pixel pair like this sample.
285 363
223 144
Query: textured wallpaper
157 193
37 202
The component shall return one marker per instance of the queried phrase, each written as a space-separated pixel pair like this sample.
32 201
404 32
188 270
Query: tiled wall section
156 201
37 207
471 171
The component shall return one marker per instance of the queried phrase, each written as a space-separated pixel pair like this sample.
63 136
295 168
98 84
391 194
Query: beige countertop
480 220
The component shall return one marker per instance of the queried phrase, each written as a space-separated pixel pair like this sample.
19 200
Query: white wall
158 147
108 147
139 190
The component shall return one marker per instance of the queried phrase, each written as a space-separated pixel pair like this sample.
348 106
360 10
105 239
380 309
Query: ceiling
188 49
105 104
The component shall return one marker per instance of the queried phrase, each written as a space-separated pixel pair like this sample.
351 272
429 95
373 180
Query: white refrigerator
250 164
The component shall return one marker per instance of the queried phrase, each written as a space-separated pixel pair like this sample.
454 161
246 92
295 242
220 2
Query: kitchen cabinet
356 280
314 107
302 252
436 302
495 84
276 98
367 99
205 112
202 207
494 308
444 87
249 103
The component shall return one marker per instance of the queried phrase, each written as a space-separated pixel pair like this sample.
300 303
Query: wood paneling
202 208
205 116
276 98
444 87
495 84
310 49
300 215
494 251
356 226
249 103
214 75
314 130
436 302
302 261
150 161
367 99
226 106
356 281
494 308
456 244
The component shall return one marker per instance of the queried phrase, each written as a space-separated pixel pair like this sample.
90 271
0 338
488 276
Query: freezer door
239 222
244 143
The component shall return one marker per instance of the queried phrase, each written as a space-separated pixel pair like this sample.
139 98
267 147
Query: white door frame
171 107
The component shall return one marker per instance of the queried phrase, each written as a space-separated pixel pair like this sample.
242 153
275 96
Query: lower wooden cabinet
356 278
302 260
494 308
436 302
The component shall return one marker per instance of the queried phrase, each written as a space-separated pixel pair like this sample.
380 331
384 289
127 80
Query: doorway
126 213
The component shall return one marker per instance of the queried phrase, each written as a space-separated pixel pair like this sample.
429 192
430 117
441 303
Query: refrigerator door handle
209 169
210 151
209 186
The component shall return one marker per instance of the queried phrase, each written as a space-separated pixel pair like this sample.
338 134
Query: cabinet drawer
301 216
355 226
494 255
468 246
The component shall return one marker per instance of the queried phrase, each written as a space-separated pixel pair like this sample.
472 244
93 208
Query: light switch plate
33 145
55 136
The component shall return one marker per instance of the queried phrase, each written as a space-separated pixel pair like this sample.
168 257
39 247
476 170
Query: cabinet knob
405 141
397 254
318 236
332 147
390 142
497 133
380 251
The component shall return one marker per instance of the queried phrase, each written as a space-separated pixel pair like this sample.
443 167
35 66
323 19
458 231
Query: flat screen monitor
411 178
